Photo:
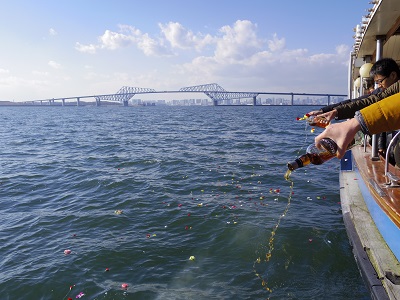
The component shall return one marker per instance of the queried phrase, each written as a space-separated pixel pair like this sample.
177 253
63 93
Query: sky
66 48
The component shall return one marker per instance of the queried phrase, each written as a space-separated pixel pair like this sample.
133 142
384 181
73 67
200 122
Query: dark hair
385 67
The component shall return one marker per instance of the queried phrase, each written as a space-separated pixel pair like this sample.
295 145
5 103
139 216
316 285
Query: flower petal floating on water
67 251
124 286
118 212
192 258
80 295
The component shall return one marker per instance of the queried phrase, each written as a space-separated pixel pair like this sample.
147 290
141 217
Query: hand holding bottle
318 121
330 115
342 133
314 113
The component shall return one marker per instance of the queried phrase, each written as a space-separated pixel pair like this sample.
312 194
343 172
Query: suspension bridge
213 90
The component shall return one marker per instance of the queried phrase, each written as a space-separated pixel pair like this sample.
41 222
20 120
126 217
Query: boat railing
393 180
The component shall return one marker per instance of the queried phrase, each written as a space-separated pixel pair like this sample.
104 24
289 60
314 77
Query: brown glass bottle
317 121
316 156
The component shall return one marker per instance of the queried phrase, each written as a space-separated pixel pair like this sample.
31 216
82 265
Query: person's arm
381 116
376 118
331 107
348 110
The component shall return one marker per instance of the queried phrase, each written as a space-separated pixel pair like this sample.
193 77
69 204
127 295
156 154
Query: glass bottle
318 121
317 156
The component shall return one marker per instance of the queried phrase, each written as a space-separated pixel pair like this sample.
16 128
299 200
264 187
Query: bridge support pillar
292 100
77 101
97 101
215 102
63 102
254 100
125 102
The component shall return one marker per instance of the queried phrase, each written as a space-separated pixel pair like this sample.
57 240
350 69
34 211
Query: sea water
174 202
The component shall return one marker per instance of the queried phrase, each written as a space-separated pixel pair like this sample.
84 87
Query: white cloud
40 73
4 71
237 42
52 32
91 49
127 36
113 40
54 64
343 50
238 56
276 44
179 37
241 58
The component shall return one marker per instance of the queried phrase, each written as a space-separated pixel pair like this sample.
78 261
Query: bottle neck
297 163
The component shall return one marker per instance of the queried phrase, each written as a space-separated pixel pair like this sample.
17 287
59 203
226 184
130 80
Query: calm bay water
135 192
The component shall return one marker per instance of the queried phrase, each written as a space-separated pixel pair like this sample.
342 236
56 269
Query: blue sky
84 47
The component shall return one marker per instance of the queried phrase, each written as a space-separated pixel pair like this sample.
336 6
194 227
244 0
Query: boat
369 183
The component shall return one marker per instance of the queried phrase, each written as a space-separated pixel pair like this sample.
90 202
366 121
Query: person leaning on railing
376 118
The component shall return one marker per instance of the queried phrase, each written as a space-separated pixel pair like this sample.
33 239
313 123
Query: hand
342 133
330 115
314 113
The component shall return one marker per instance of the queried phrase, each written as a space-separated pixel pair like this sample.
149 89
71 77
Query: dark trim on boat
367 271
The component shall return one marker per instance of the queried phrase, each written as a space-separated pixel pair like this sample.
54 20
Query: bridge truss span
124 94
213 90
218 93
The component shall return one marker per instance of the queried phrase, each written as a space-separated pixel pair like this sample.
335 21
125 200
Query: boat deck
374 173
366 198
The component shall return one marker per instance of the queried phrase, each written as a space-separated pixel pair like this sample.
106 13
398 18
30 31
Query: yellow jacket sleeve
383 115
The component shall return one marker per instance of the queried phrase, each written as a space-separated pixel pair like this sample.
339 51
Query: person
376 118
386 74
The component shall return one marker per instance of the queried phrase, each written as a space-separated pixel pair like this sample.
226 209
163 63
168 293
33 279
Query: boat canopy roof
381 22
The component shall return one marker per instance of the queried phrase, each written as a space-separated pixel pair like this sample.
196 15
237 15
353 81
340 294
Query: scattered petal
192 258
67 251
124 286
